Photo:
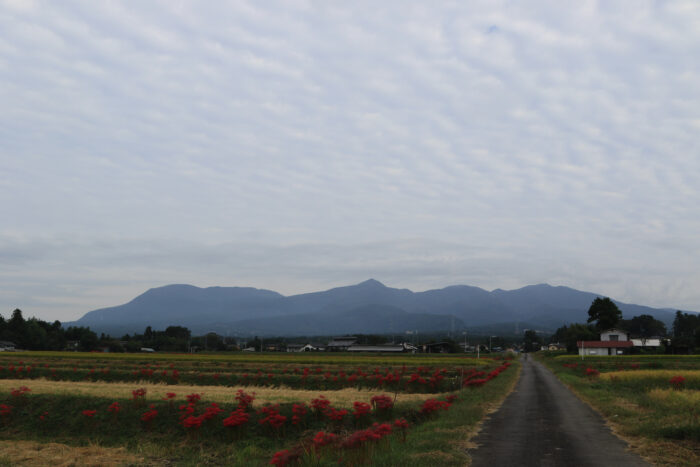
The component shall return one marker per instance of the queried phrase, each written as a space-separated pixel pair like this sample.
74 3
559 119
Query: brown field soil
31 453
222 394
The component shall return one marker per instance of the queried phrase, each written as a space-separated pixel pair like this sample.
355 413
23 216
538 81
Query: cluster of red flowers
334 414
237 418
382 403
677 382
477 379
114 408
592 372
284 457
320 404
89 413
299 411
147 417
323 439
195 421
272 416
21 391
375 433
433 405
360 409
5 410
244 399
138 394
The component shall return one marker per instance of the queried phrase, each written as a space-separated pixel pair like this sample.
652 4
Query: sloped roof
604 344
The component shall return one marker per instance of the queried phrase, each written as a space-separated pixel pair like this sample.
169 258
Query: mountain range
368 307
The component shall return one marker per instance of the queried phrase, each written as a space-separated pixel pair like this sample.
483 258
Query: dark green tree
644 326
686 332
605 313
570 335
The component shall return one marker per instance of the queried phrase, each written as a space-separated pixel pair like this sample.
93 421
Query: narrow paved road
543 424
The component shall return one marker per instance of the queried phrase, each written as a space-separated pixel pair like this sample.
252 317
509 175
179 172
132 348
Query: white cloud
558 134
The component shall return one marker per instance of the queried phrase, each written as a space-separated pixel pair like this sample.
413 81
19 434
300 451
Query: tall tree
644 327
605 313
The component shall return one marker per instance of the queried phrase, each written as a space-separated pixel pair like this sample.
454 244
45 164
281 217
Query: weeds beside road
643 403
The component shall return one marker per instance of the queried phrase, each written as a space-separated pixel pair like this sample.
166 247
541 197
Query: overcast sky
298 146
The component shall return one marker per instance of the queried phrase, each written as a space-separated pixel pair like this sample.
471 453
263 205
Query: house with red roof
612 342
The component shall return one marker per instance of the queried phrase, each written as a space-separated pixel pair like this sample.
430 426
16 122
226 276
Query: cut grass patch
222 394
32 453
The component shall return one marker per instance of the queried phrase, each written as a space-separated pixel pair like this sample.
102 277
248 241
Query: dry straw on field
640 375
672 397
31 453
222 394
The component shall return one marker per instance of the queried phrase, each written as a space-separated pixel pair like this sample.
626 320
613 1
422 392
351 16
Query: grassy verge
659 422
444 441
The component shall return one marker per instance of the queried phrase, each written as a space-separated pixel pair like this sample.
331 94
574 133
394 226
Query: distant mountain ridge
367 307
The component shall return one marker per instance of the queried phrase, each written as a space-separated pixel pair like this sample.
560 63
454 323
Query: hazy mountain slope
368 319
235 310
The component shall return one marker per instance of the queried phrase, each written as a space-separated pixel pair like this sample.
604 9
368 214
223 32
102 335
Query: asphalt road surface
543 424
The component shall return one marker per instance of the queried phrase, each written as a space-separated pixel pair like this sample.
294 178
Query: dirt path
543 424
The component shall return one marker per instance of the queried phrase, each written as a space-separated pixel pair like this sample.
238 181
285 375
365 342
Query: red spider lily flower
323 439
212 411
300 409
382 429
451 398
114 407
358 438
320 404
433 405
282 458
273 417
237 418
169 395
43 416
89 413
193 398
148 416
361 409
592 372
382 402
193 422
20 392
5 410
244 399
677 382
137 394
335 414
401 423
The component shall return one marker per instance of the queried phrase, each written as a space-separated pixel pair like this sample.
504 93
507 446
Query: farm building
341 344
7 346
614 342
302 348
393 348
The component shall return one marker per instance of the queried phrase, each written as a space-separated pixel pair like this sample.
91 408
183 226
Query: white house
613 342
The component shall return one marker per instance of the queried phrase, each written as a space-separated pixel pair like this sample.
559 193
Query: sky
302 145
